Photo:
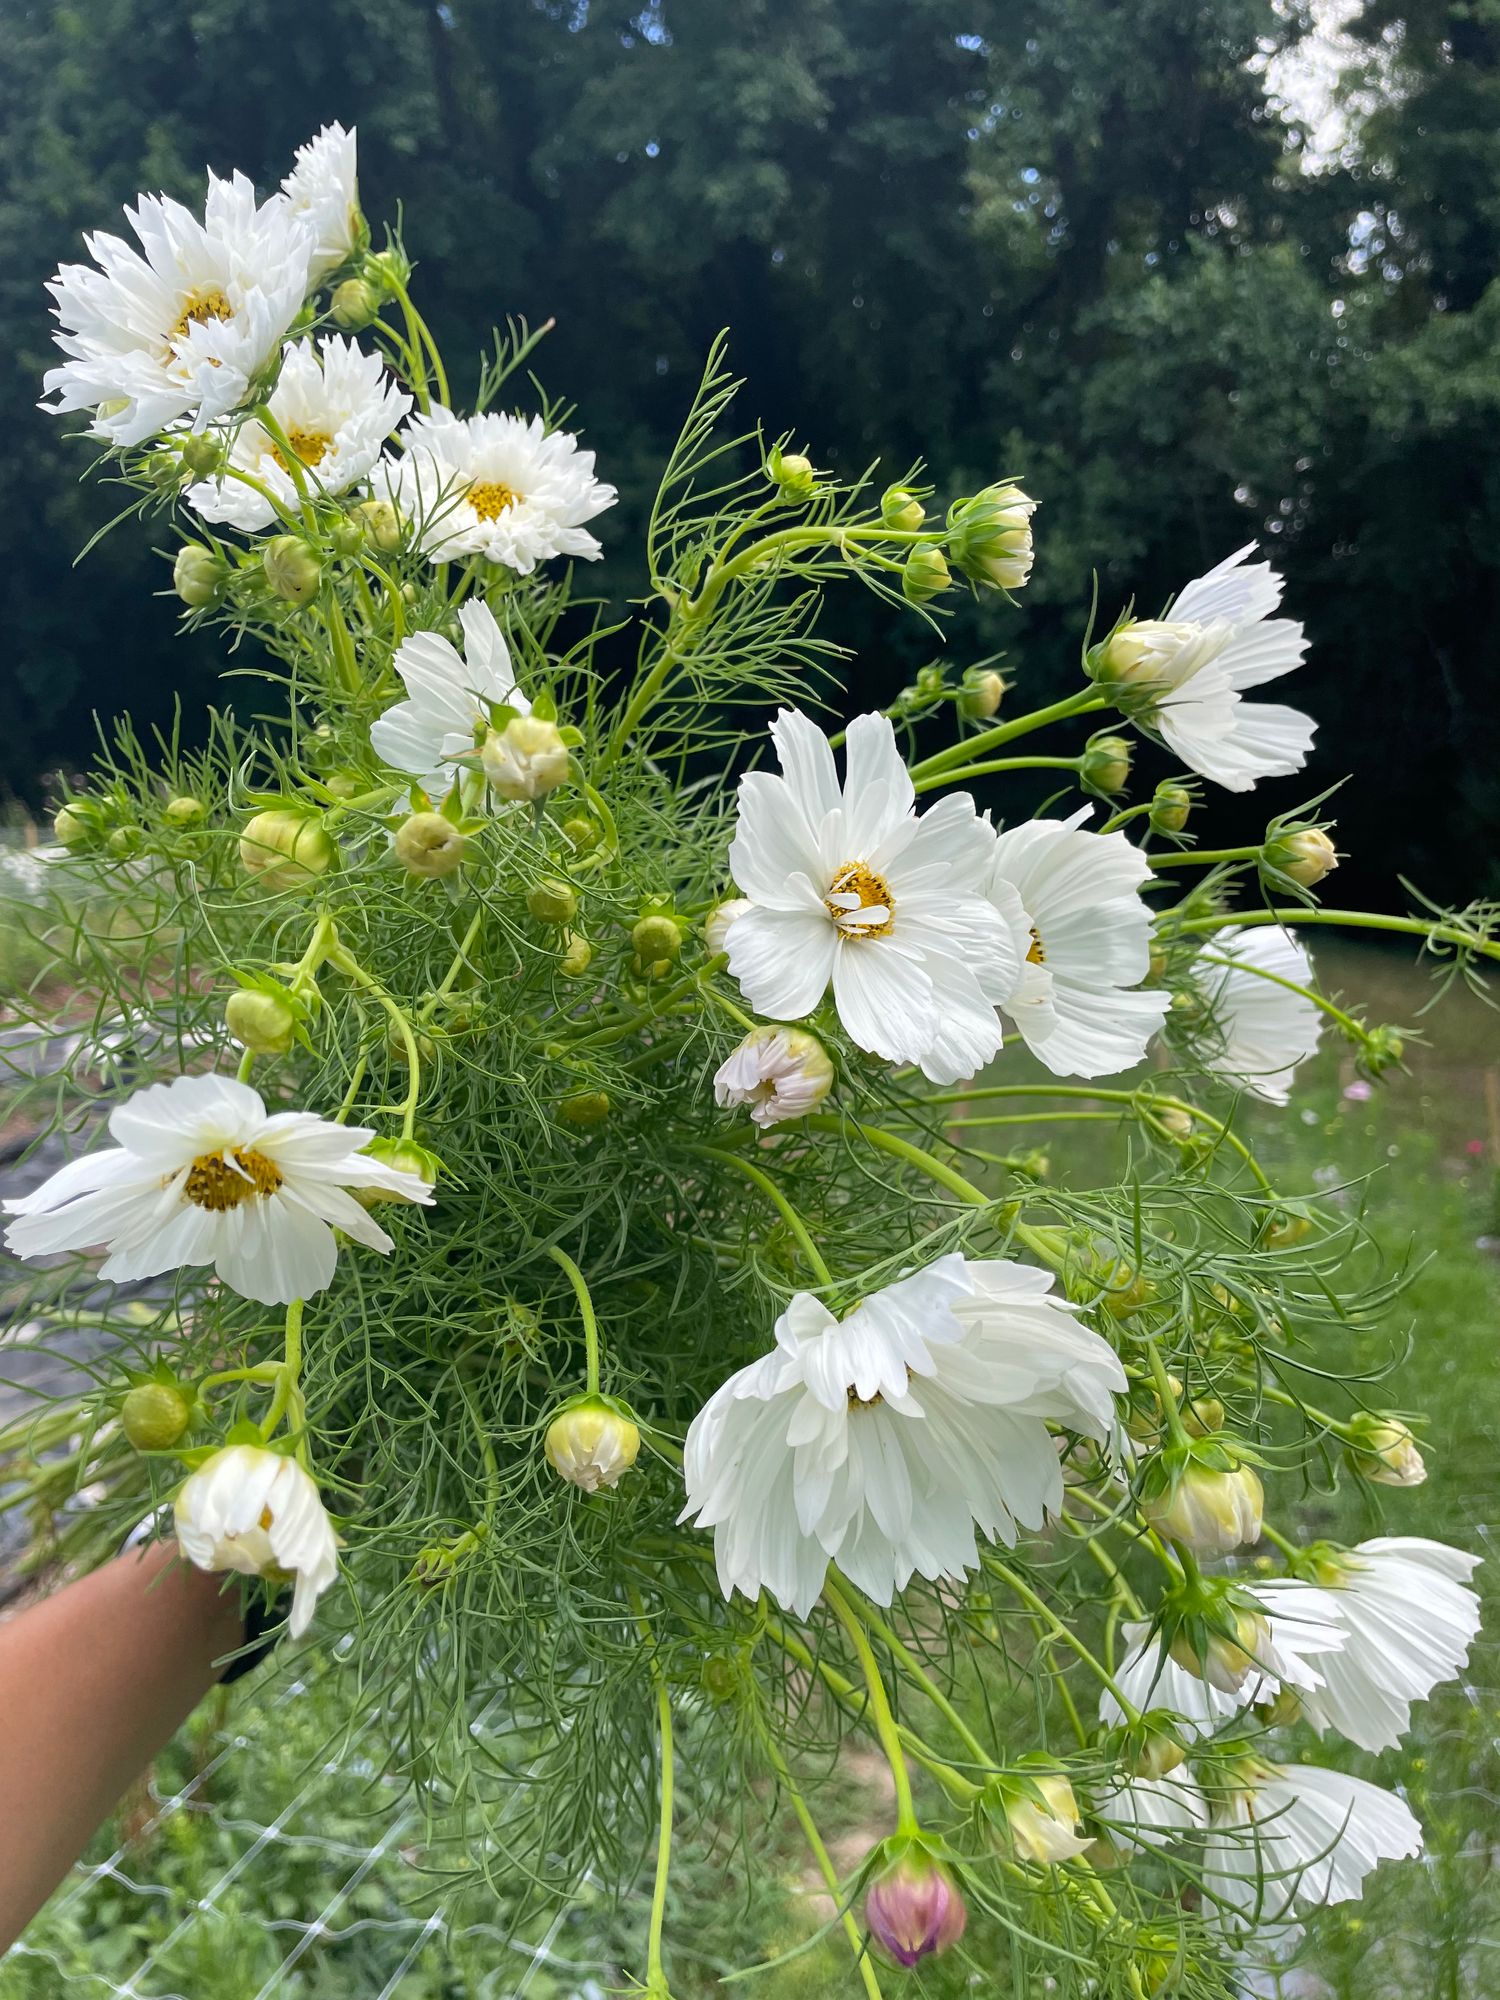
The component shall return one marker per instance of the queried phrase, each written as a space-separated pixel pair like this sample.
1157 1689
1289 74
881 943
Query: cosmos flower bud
780 1073
1384 1450
720 921
981 694
584 1108
407 1157
925 575
582 835
292 569
792 472
183 812
201 454
1128 656
354 304
1381 1049
154 1415
578 956
1209 1511
900 508
1170 807
591 1445
989 536
429 845
1231 1651
74 827
264 1023
657 939
381 524
914 1909
124 841
1304 857
198 576
1045 1830
552 902
526 759
286 850
1106 763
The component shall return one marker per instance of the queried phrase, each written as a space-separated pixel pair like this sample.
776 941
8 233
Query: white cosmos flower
1083 938
1297 1837
180 327
1409 1619
780 1073
203 1174
449 696
883 1440
1191 669
1302 1630
323 190
851 886
1261 1029
1152 1812
254 1511
497 486
335 416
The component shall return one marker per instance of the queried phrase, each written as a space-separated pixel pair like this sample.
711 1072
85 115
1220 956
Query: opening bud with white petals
526 759
1384 1450
592 1444
257 1512
1209 1509
989 536
779 1073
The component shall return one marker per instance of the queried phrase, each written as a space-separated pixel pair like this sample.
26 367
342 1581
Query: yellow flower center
223 1180
308 446
490 497
1035 954
859 902
200 308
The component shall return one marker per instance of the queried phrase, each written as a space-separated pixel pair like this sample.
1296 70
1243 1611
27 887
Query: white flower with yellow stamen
882 1441
182 326
496 486
1260 1029
323 190
335 407
257 1512
449 697
203 1174
850 886
1083 938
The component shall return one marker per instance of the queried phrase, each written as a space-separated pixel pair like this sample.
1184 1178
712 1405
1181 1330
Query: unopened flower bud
286 850
1106 764
1203 1416
657 939
981 694
1229 1656
292 569
719 922
1380 1050
1208 1511
407 1157
1304 857
582 835
74 828
900 508
381 524
1175 1122
1281 1711
989 536
1283 1227
124 841
201 454
584 1108
526 759
183 812
1045 1831
429 845
925 575
1160 1753
915 1910
552 902
154 1415
578 956
388 270
354 304
1132 656
198 576
264 1023
1384 1450
779 1073
591 1446
792 472
1170 807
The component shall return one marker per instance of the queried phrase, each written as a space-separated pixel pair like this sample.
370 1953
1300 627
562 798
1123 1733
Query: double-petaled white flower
779 1073
257 1512
182 326
1152 1812
322 190
449 697
1083 939
1409 1619
884 1440
335 407
497 486
850 886
203 1174
1260 1029
1185 675
1293 1838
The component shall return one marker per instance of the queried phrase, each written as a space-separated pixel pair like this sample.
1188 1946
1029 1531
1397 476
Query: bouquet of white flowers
559 1185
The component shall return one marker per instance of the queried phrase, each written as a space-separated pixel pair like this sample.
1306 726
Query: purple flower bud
915 1909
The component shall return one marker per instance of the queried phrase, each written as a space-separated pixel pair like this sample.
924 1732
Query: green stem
1059 1631
1203 857
344 961
826 1868
1166 1395
586 1312
880 1707
905 1657
656 1976
1367 920
1355 1030
902 1149
993 769
773 1194
1082 703
286 1399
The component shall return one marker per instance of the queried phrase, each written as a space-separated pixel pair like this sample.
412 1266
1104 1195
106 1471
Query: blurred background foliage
1085 241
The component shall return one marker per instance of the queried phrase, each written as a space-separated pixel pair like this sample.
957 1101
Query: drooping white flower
1409 1619
851 886
1186 675
1152 1812
1260 1030
449 696
883 1440
780 1073
1083 938
182 326
1046 1830
498 486
203 1174
1301 1630
335 415
255 1511
323 190
1296 1837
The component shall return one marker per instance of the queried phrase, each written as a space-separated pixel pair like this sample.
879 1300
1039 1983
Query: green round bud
1106 764
154 1415
264 1023
198 576
292 569
1304 857
981 694
585 1107
184 812
354 304
552 902
578 956
124 841
792 472
381 524
925 575
344 784
656 938
582 835
388 270
346 537
900 508
1170 807
286 850
429 846
201 454
73 828
407 1157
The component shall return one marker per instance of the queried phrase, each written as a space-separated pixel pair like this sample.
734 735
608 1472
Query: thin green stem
656 1975
940 1701
1060 1631
1202 857
783 1206
824 1860
993 769
1082 703
344 961
902 1149
880 1707
576 1279
1436 932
